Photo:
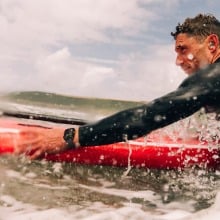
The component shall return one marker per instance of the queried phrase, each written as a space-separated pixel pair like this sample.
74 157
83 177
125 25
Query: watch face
69 134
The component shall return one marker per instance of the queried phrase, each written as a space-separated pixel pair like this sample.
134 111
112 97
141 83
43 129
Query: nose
179 60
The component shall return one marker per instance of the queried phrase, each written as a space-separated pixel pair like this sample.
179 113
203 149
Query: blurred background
99 48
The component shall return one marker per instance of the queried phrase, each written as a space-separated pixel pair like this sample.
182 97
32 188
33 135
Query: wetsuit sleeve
198 90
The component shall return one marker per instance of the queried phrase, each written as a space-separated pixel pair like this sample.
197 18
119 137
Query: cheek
194 58
201 56
190 56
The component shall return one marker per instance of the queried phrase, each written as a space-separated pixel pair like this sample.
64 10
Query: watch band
68 136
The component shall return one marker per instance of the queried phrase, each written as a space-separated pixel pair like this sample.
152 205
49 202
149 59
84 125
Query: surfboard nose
11 138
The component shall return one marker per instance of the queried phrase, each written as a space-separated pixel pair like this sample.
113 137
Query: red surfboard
155 151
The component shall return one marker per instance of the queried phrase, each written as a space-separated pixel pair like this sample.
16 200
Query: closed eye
181 49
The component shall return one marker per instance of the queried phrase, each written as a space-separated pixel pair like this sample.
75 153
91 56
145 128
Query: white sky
98 48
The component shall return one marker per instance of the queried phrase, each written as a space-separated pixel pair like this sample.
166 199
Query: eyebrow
180 46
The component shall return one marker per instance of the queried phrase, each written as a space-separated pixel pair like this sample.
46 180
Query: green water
62 108
83 104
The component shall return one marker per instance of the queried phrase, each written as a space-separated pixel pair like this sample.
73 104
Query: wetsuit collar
218 60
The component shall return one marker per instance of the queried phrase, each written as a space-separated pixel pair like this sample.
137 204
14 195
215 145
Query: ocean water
43 190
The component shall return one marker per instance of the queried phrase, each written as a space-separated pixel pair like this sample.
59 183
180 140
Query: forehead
184 39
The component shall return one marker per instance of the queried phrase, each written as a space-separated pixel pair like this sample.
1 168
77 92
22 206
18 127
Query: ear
213 42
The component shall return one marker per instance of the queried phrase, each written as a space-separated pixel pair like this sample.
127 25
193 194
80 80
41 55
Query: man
198 54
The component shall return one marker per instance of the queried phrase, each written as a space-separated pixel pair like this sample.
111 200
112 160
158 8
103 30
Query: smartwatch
68 136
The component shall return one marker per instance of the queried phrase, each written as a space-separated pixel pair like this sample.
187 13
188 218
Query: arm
198 90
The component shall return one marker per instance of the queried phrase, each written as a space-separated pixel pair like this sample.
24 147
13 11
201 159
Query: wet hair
200 26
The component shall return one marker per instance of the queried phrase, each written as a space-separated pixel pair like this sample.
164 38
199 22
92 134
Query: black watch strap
68 136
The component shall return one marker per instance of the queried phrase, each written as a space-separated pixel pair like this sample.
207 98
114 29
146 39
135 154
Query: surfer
197 49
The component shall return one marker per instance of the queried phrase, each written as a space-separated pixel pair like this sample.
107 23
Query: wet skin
192 53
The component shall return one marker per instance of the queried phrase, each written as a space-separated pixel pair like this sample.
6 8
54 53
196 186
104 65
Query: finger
22 149
26 147
36 154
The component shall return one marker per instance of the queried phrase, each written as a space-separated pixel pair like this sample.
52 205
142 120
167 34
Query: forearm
133 123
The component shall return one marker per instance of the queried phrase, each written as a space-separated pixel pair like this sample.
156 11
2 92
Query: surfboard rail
155 151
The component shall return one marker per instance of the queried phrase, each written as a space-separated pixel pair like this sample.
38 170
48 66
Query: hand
37 143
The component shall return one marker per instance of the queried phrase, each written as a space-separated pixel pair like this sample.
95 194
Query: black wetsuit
199 90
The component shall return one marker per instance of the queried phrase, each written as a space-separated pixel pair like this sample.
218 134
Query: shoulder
209 74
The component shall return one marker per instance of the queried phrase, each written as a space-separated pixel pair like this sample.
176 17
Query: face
192 54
